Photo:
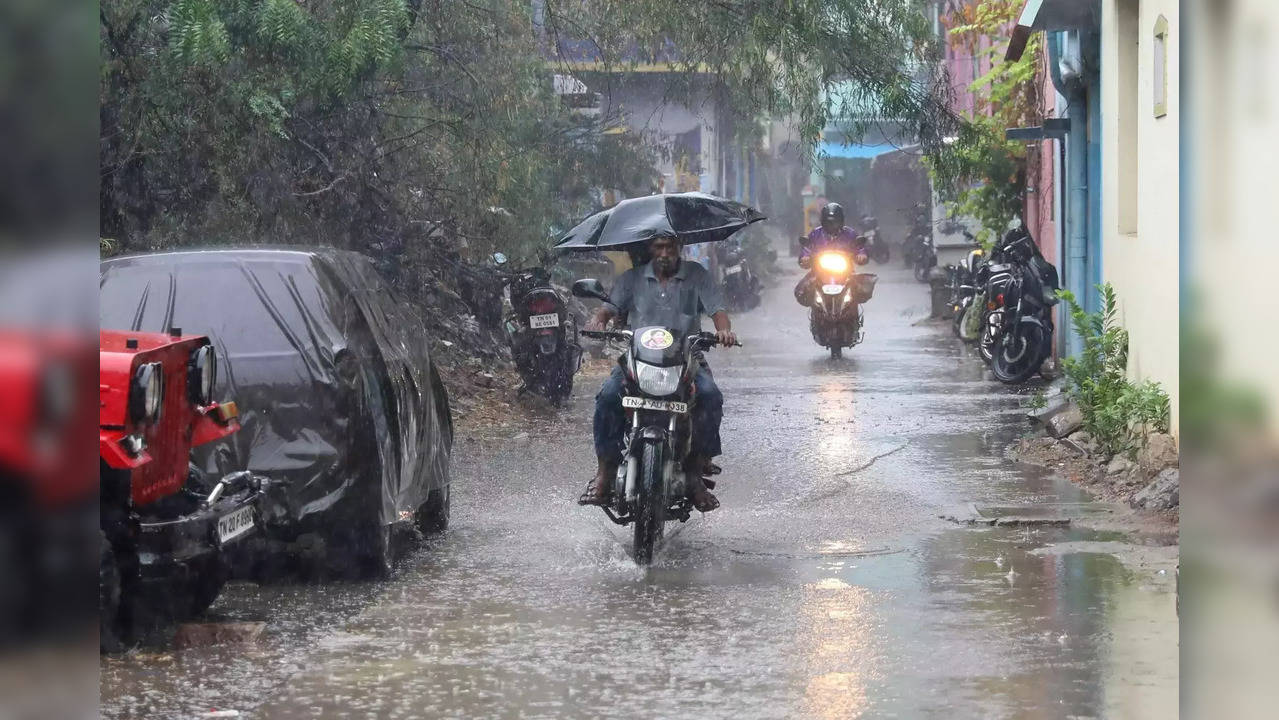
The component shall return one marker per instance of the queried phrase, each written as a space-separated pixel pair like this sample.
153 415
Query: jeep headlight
147 393
202 370
656 380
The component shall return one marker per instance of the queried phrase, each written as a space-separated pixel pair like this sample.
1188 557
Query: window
1161 67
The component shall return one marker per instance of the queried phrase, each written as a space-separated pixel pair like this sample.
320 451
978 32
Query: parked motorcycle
542 334
651 486
918 251
963 289
1020 295
925 257
876 245
835 295
741 284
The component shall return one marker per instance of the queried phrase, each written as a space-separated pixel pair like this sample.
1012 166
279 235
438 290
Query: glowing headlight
656 380
832 262
202 370
147 393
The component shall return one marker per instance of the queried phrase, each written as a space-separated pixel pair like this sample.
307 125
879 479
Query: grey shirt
678 305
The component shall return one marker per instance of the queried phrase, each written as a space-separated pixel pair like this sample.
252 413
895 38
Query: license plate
640 403
733 269
548 320
833 289
233 525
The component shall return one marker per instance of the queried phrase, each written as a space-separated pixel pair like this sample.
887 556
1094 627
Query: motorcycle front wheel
1018 357
650 505
880 253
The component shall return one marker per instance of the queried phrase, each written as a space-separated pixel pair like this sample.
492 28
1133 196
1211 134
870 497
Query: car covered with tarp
342 411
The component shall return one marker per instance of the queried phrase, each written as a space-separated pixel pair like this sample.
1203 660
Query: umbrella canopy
693 217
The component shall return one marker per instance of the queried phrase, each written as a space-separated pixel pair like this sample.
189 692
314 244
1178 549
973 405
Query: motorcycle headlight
832 262
202 370
656 380
147 393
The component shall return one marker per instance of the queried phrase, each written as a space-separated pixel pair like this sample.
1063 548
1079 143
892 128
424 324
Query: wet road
825 587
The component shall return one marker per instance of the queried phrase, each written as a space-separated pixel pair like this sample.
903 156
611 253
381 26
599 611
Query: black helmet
833 212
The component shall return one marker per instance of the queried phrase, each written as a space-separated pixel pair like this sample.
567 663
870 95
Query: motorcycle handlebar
706 339
710 339
607 334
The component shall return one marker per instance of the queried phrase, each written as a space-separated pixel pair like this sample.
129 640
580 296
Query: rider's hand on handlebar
727 338
598 321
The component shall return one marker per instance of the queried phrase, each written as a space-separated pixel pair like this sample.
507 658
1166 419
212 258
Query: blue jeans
610 418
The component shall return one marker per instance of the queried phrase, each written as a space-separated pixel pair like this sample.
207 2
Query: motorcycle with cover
1020 297
651 487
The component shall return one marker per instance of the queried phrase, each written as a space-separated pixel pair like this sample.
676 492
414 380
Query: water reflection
836 638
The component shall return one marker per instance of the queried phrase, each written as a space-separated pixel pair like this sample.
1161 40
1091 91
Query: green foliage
987 177
982 175
1117 413
1037 401
197 36
413 131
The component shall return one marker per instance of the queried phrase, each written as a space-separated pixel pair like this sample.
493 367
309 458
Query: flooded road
826 586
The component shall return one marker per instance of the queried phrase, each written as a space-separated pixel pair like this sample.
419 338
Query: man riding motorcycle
833 234
672 293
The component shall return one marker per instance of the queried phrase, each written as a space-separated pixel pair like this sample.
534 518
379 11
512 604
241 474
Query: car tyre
433 516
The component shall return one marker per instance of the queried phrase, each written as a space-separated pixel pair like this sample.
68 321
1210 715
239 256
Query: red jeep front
164 522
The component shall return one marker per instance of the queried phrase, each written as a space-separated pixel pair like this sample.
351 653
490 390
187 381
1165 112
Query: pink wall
964 69
1040 215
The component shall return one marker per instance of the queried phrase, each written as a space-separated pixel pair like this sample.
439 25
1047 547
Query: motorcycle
963 290
876 245
651 485
835 296
925 258
918 250
542 334
741 285
1020 296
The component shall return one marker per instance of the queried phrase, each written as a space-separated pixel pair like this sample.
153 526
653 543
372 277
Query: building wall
1140 186
1230 249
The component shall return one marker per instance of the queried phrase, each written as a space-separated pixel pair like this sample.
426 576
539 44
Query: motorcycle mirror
499 258
589 288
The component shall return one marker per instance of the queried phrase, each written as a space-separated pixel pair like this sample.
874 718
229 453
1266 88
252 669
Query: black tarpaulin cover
339 403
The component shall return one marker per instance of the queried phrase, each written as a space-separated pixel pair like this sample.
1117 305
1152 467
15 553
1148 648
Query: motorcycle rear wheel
650 505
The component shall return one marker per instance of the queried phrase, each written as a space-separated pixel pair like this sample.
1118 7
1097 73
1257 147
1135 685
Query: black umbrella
693 217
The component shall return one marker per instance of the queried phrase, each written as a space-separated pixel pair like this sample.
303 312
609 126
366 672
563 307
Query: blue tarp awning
837 150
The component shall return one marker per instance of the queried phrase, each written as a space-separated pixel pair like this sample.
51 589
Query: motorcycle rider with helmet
832 234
